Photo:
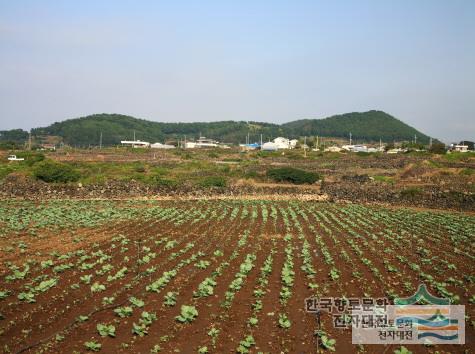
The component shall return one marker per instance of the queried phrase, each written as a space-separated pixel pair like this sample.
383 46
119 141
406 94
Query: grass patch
467 172
460 156
251 174
384 179
213 181
6 169
160 181
435 164
266 154
331 155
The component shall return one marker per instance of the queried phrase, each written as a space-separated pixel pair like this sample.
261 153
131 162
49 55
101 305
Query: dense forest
14 135
365 127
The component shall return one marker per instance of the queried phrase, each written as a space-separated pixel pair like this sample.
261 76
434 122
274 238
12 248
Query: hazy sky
272 61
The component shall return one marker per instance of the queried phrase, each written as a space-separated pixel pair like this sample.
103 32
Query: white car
14 158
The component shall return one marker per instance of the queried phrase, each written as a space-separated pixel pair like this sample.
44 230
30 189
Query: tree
56 172
389 146
468 143
292 175
437 148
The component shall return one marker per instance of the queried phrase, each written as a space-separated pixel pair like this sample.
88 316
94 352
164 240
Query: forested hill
365 126
116 127
371 125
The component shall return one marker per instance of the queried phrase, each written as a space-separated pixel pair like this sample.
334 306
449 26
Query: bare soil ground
377 252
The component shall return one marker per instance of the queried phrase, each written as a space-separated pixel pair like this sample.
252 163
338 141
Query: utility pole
185 143
100 141
261 141
134 135
29 141
350 138
430 142
305 147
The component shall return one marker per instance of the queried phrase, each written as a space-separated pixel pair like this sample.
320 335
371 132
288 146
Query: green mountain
115 127
366 126
84 131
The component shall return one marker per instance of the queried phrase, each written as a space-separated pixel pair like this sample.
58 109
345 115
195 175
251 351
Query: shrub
467 172
51 171
186 155
294 155
213 181
251 174
437 148
385 179
293 175
389 146
9 145
411 192
265 154
5 170
225 169
159 181
31 157
140 168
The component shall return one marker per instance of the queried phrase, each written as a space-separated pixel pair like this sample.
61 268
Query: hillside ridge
364 127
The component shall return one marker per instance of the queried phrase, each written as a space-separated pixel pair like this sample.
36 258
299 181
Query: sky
272 61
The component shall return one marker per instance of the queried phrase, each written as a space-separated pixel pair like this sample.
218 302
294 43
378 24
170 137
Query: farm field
227 276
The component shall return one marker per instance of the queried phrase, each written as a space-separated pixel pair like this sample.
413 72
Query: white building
333 149
461 148
202 142
162 146
360 148
284 143
135 143
293 143
395 151
270 146
355 148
